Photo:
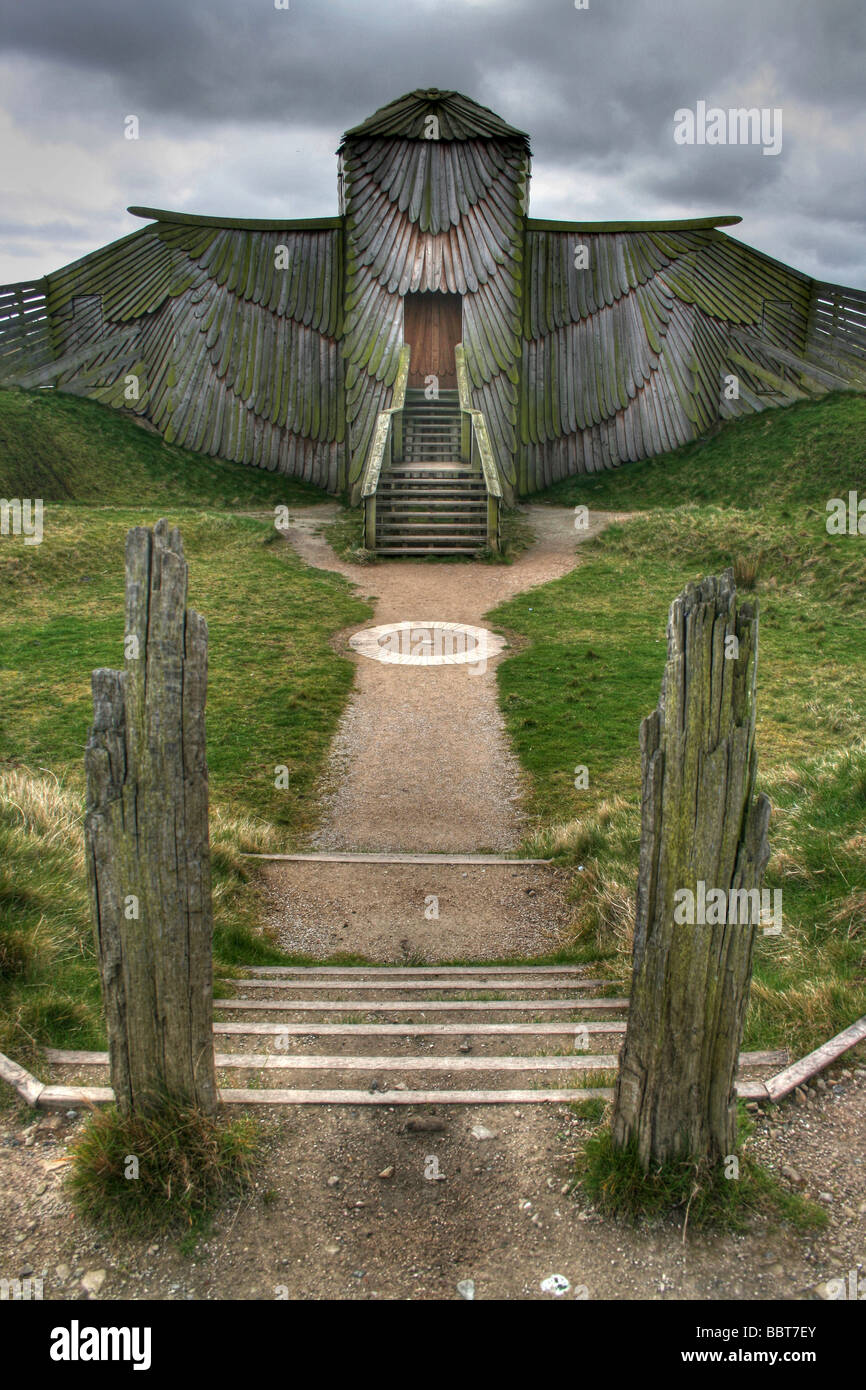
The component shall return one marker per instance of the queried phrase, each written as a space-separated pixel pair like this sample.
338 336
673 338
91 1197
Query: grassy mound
782 459
63 448
753 496
276 691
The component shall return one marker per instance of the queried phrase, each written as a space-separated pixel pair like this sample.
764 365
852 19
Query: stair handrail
382 429
480 432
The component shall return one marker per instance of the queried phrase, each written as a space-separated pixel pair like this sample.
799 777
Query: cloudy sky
241 106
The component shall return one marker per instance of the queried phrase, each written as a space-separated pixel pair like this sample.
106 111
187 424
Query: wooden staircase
405 1035
430 502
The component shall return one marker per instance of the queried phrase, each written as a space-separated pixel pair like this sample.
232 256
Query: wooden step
437 1098
360 857
377 972
414 519
420 1030
465 984
61 1097
435 506
232 1005
429 550
281 1061
408 552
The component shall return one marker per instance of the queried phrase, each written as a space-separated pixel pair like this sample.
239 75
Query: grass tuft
169 1172
694 1190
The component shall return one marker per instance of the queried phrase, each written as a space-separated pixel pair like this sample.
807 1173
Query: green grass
66 449
783 459
698 1192
276 691
275 686
753 496
186 1166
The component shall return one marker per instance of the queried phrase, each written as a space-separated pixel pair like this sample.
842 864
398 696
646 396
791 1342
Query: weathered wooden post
701 825
146 837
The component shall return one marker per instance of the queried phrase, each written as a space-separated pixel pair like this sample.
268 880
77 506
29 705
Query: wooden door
433 326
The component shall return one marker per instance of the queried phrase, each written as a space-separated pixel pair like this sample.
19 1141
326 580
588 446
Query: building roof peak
458 117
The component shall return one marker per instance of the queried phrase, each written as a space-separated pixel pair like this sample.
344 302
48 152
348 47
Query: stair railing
388 427
477 449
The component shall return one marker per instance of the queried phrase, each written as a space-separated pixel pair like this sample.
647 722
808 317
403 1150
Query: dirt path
324 1223
421 761
407 913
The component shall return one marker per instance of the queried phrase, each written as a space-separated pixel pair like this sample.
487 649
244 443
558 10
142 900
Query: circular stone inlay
427 644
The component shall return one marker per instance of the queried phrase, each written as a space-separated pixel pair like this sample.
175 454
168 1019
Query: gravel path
421 760
424 913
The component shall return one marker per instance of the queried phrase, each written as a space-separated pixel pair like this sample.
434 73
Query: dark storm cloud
596 89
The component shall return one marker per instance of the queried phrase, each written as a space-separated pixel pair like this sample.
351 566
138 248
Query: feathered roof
460 118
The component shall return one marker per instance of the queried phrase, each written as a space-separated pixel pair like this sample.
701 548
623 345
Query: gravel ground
410 912
343 1210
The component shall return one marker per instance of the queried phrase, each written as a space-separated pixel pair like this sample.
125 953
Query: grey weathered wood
381 972
81 1058
28 1086
700 821
422 1005
270 1061
417 1030
397 859
785 1082
316 1097
146 835
462 984
59 1097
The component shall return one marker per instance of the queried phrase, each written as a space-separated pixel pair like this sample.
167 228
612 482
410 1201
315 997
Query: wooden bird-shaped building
432 349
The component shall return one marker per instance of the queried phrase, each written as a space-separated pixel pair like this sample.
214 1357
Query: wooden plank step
444 1097
406 534
418 516
419 492
378 972
439 549
795 1075
282 1061
428 550
313 1062
463 984
435 511
435 504
408 527
326 857
420 487
59 1097
417 1030
419 497
423 1005
436 507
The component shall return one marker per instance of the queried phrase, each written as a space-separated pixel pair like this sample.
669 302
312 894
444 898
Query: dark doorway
432 326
